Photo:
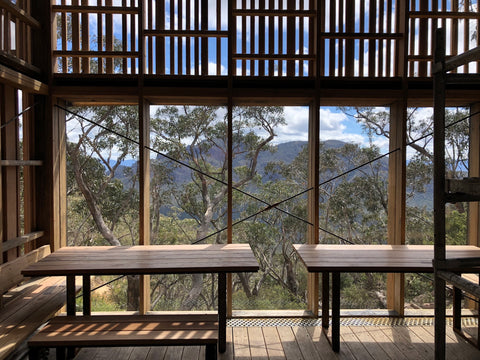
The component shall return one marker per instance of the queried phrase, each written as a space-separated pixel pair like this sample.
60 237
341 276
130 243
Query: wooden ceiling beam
259 91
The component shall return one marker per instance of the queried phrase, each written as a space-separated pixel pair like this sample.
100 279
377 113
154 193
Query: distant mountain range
285 152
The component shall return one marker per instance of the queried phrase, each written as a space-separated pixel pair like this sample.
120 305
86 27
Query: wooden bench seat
27 306
127 330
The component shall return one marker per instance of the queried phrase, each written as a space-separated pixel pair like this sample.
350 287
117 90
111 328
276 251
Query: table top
376 258
148 259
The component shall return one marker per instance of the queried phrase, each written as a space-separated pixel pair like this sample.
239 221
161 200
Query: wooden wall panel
397 199
9 174
313 198
16 30
287 26
29 172
359 38
474 171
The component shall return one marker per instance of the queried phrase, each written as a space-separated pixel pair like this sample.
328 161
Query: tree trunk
197 279
244 282
291 280
93 207
197 287
133 287
133 292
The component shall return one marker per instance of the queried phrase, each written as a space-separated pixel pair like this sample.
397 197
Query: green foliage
270 297
354 206
173 231
363 291
456 227
418 289
419 226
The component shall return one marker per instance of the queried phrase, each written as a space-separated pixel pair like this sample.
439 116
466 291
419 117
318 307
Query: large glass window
419 206
102 190
188 195
353 192
270 150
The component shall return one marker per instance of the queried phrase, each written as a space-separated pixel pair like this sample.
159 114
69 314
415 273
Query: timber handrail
21 240
21 162
460 282
462 59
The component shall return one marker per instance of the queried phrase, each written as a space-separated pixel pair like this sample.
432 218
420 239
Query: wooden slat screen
270 38
186 37
19 171
16 26
358 38
97 37
461 20
274 38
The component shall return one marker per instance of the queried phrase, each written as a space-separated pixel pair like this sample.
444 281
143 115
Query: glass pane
354 192
102 189
419 219
270 157
188 195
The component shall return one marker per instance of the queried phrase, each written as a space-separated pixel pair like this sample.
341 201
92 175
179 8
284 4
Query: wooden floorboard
258 348
305 343
289 343
274 348
385 343
350 340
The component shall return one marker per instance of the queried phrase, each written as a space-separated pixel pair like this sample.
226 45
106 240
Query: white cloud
332 126
296 128
212 69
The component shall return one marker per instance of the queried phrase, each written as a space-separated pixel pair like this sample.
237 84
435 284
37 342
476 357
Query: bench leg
211 352
457 309
325 300
34 353
60 353
222 312
336 311
71 352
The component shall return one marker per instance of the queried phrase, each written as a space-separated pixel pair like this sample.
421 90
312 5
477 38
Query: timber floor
359 342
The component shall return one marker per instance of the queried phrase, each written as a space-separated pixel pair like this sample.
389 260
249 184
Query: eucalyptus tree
102 192
419 177
197 136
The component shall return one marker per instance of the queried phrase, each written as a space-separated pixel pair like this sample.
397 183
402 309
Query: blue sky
334 125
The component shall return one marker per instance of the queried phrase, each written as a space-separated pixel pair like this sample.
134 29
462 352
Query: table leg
60 353
87 307
478 326
222 312
325 299
336 311
457 309
71 307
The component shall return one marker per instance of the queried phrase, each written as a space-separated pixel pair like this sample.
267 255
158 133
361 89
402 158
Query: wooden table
336 259
151 259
